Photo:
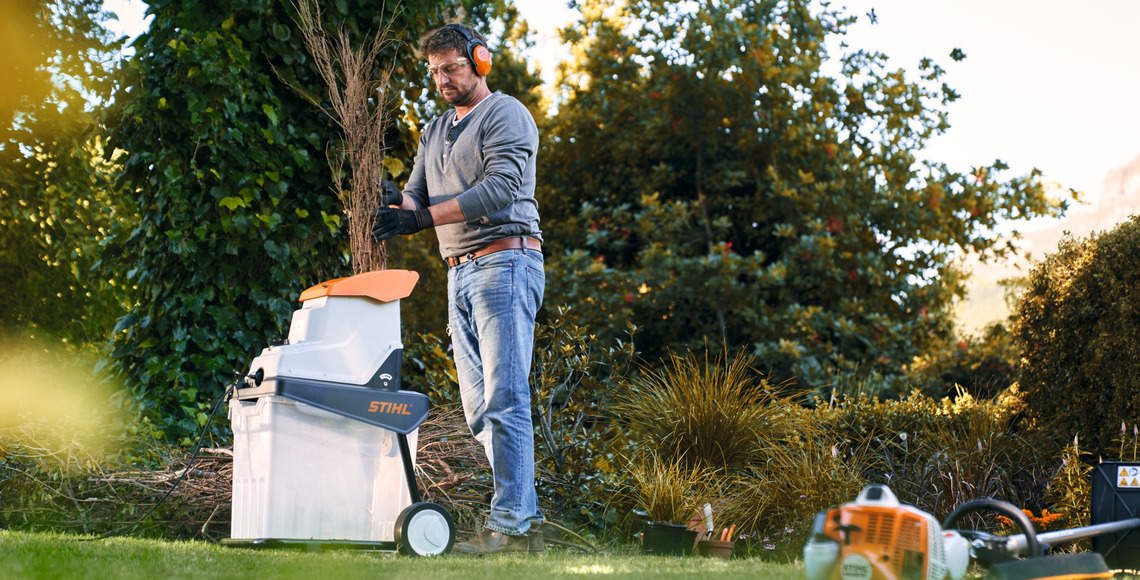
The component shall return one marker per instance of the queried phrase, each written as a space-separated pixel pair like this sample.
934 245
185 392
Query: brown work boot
536 542
492 542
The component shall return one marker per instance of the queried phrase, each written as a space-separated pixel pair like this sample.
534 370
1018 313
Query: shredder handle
398 411
409 469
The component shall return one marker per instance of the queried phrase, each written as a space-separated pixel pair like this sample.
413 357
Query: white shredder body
306 473
318 421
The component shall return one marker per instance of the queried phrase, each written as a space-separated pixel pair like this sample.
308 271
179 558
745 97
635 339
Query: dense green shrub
938 453
1078 326
982 365
574 379
57 196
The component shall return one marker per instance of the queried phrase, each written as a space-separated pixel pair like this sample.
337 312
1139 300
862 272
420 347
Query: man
473 181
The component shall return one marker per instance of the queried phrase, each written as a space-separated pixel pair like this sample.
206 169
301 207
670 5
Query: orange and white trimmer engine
876 537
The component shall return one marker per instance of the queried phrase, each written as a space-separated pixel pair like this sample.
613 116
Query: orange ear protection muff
476 50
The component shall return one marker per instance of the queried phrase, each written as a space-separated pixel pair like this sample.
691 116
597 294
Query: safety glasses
450 69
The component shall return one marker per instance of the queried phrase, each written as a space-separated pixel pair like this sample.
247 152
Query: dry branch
358 93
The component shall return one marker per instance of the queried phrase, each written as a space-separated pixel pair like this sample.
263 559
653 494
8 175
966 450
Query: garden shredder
324 437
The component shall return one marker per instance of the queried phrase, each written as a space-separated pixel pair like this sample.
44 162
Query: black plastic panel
1116 496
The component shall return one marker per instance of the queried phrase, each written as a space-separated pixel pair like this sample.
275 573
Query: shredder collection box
304 473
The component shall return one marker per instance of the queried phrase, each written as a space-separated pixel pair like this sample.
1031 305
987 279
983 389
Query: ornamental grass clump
775 503
1069 492
714 413
667 489
978 449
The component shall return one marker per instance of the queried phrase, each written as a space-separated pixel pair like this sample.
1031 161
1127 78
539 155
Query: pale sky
1048 83
130 13
1052 84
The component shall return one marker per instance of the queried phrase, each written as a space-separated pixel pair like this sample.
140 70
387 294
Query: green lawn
24 555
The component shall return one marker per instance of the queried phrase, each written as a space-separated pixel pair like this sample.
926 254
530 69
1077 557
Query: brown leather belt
496 246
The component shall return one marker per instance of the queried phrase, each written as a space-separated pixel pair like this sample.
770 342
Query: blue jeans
492 301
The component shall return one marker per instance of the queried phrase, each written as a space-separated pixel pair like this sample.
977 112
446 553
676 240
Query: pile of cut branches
451 467
44 487
184 500
89 497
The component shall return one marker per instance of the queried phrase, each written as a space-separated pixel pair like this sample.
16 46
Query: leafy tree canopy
56 195
716 175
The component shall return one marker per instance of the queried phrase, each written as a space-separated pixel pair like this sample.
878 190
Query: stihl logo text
389 408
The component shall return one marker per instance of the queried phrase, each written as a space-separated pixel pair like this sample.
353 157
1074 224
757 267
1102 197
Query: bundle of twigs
451 467
357 101
202 496
207 482
48 487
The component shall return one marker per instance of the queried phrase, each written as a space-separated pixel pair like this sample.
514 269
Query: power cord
179 480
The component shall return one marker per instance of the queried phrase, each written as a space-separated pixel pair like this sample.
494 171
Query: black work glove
388 222
390 193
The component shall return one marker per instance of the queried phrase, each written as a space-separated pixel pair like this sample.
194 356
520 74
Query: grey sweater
490 167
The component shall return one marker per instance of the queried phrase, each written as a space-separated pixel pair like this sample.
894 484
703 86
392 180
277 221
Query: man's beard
462 98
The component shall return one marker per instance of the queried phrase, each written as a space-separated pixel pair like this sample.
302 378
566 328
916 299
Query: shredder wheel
424 529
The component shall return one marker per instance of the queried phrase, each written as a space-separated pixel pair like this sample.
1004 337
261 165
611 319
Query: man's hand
388 222
390 193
